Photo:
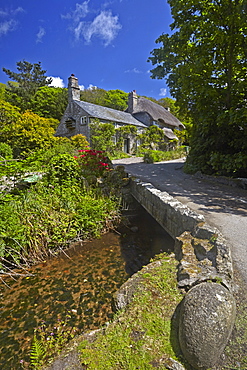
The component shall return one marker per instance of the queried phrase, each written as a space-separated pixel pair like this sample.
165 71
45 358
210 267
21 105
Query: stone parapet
171 214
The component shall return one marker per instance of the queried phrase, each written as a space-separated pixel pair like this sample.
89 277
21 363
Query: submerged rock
206 320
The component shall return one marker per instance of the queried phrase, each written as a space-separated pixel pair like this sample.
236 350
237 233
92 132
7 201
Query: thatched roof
169 133
157 112
108 114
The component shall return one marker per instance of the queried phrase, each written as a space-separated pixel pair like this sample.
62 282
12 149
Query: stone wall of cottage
74 111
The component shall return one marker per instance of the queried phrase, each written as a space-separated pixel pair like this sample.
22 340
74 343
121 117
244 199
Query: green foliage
25 132
151 156
31 132
93 95
48 341
228 164
115 99
46 217
124 132
8 116
2 91
204 62
29 78
102 136
79 141
37 353
152 138
6 151
92 162
39 218
49 102
62 169
140 336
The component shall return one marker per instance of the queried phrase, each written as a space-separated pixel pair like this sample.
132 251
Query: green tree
116 99
8 116
49 102
28 79
2 91
204 61
93 95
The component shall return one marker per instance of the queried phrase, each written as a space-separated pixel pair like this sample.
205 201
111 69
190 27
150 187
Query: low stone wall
171 214
205 274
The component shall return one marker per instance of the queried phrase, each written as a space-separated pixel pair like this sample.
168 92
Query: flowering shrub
93 162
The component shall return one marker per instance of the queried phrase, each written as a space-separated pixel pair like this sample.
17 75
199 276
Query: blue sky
104 43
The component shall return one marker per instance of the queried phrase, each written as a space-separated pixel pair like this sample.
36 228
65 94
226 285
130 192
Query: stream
75 288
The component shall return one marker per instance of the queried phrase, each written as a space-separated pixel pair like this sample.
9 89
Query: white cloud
163 91
9 22
134 70
3 13
7 26
92 87
18 10
81 10
56 82
82 87
40 34
104 26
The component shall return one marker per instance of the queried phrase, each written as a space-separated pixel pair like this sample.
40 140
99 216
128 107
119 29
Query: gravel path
223 206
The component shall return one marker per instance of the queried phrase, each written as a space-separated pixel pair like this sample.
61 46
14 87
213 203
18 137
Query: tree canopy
115 99
25 131
204 61
49 102
28 79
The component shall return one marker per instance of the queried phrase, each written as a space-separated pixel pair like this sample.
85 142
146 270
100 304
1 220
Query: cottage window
84 120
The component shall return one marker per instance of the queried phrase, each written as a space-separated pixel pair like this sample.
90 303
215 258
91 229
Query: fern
37 353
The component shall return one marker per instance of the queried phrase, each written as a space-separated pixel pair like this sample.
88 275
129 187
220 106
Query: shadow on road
209 196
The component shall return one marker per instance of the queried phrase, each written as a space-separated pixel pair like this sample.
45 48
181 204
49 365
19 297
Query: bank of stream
75 288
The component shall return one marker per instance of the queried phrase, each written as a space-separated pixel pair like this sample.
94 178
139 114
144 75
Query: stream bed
75 288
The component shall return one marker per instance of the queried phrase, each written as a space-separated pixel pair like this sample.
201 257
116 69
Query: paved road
223 206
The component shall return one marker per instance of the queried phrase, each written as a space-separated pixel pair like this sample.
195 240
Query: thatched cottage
141 113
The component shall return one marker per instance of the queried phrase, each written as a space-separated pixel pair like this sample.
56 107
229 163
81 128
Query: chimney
73 89
132 101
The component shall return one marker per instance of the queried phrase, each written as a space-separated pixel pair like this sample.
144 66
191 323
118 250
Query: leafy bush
39 220
92 162
79 141
62 169
102 136
6 151
229 164
151 156
152 138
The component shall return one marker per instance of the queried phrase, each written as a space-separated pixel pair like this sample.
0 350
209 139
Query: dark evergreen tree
27 81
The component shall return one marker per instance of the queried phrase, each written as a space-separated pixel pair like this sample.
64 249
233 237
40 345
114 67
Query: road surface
223 206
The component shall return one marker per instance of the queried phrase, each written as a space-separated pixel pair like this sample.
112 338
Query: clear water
77 289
